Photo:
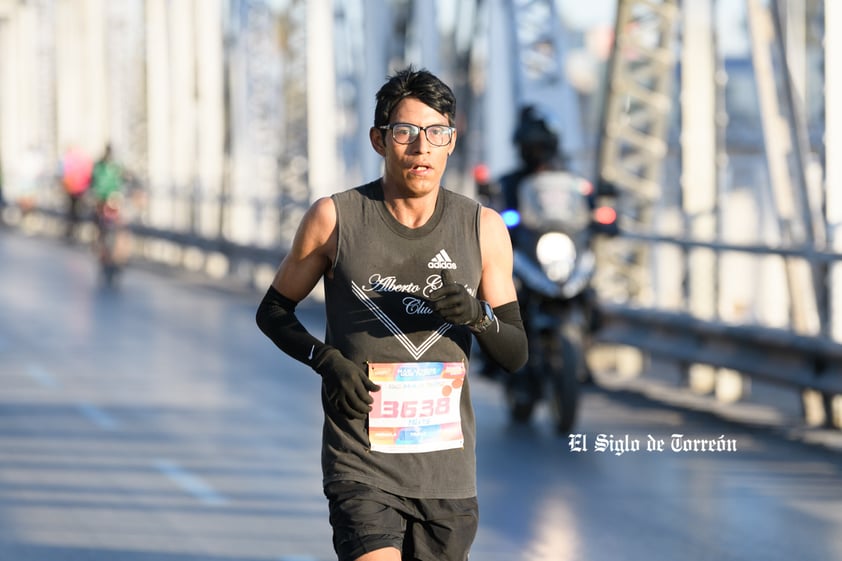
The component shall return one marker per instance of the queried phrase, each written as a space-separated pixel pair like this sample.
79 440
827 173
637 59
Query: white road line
191 483
98 417
41 376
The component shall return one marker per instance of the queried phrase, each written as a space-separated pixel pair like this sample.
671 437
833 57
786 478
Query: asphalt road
154 422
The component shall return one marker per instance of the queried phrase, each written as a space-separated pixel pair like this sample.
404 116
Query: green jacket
107 179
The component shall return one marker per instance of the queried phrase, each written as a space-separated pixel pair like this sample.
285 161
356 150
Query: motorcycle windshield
554 199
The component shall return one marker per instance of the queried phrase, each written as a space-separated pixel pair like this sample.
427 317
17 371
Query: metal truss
639 96
633 137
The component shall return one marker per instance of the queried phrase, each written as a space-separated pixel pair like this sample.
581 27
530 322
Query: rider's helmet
537 137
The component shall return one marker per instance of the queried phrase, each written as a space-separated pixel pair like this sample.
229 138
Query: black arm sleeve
504 341
277 320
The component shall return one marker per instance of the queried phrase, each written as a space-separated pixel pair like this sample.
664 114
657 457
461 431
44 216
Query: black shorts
366 519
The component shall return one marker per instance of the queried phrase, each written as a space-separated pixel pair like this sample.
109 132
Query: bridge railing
243 264
780 356
774 355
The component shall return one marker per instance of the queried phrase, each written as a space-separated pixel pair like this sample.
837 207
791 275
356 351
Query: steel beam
833 147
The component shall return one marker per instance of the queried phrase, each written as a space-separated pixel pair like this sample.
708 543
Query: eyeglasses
405 133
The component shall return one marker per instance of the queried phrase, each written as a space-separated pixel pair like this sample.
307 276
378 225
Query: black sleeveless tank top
377 311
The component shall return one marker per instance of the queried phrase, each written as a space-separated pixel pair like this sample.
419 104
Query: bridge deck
154 422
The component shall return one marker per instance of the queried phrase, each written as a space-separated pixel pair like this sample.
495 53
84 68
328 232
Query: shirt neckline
401 229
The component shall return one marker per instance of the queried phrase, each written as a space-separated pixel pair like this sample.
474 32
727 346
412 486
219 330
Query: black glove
453 303
346 385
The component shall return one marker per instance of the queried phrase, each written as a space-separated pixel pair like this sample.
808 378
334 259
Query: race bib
417 407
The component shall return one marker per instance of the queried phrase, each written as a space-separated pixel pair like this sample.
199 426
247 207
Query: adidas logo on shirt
441 261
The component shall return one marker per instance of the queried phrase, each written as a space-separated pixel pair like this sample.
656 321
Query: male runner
412 272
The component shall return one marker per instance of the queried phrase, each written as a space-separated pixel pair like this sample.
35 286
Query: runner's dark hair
420 84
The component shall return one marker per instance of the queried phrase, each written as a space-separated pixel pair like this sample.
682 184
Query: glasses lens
439 135
405 134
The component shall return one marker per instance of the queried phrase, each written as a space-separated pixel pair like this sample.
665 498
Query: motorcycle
112 242
553 267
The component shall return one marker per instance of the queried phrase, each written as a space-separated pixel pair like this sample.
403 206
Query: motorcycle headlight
557 254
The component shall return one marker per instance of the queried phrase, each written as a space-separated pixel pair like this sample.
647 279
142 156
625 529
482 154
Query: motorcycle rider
537 138
538 141
108 181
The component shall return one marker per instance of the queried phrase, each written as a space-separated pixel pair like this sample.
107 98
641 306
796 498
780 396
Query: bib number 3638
417 408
